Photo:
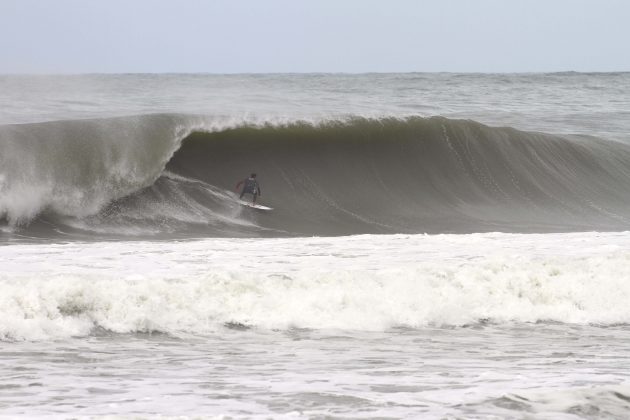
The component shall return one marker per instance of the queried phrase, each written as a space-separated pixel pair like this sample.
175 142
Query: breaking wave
591 290
174 175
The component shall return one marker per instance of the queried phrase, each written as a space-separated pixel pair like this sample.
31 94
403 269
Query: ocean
441 245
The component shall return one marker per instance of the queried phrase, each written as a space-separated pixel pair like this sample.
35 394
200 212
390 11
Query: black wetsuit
251 187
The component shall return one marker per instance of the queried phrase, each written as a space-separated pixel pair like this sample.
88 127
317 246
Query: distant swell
174 175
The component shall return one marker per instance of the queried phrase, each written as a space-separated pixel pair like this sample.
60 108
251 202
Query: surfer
251 187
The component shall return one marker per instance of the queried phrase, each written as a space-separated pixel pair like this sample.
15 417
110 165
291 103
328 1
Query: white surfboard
255 206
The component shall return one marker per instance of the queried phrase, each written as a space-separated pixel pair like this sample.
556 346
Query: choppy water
368 326
545 371
132 284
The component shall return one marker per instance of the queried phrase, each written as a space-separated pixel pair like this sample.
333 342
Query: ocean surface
441 246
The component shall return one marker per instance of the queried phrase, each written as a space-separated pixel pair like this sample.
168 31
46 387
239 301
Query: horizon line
279 73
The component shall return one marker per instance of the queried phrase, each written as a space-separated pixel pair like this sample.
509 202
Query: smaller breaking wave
602 401
499 290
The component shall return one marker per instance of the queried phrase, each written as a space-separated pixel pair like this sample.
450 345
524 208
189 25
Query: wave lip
174 175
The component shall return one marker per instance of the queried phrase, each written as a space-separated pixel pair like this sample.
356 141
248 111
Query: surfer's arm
259 190
239 185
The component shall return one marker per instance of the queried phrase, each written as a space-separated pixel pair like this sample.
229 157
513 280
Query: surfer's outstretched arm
239 185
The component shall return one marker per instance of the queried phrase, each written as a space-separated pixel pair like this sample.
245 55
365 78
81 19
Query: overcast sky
242 36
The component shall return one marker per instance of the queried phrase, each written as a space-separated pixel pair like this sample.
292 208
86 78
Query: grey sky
232 36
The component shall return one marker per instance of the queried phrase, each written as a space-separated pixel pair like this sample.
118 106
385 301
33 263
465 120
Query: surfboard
255 206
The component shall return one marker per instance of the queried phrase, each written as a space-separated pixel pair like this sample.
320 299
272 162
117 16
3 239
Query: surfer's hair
253 175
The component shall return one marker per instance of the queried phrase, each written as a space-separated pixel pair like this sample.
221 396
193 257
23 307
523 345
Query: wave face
174 175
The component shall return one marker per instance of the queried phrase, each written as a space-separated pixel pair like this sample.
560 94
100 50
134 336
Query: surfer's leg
254 200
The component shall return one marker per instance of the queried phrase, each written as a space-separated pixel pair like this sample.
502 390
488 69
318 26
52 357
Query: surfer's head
253 175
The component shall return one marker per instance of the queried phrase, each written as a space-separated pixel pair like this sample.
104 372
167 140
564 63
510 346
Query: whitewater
442 246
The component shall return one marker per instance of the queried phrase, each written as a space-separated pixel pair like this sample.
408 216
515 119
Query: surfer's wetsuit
251 187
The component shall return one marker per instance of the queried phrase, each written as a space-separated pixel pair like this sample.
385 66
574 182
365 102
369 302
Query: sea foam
357 283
